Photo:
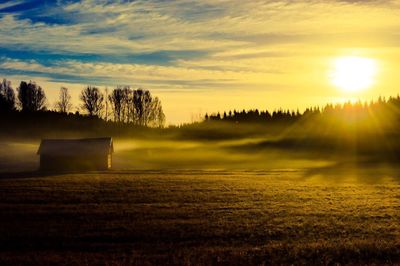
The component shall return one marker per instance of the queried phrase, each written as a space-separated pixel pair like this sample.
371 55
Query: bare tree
31 97
157 118
136 106
93 101
64 104
106 101
147 110
127 104
116 99
141 100
7 96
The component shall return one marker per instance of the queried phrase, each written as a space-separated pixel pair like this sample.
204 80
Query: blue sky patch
48 59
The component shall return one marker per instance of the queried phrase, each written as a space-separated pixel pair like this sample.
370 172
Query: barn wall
74 163
109 161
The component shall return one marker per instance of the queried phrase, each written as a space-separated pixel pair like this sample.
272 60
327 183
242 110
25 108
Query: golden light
353 74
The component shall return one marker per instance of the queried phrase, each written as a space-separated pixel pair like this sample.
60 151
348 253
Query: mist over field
239 154
136 154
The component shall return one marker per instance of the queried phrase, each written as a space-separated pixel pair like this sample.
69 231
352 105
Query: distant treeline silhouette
123 105
383 111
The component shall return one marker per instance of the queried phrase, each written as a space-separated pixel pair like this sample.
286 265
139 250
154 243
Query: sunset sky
202 56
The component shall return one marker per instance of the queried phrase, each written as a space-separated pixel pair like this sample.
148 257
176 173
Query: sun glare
353 74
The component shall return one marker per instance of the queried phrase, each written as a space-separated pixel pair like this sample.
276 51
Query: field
199 218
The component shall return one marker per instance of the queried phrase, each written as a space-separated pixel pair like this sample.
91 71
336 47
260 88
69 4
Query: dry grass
197 218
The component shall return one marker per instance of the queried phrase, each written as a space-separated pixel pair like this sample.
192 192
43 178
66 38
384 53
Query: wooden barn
76 154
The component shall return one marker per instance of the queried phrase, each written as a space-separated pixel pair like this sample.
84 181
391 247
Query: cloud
112 74
224 36
152 58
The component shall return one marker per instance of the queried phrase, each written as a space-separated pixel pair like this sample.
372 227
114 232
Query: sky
201 56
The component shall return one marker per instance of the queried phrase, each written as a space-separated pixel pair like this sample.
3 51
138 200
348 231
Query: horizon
204 57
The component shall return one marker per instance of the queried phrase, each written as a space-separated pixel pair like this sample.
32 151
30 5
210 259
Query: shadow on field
38 174
23 175
359 171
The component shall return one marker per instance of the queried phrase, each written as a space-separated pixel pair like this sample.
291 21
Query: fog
250 154
17 156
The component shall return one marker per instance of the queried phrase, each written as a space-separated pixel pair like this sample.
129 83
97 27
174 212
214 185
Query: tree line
122 105
385 111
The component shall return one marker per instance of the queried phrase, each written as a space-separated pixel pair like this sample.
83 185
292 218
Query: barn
76 154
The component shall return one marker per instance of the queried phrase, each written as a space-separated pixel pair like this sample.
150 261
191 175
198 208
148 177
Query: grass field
198 218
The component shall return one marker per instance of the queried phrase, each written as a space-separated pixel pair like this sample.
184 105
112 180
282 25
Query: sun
353 74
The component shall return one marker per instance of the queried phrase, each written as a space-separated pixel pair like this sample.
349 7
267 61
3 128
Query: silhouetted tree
117 100
157 116
92 101
64 105
141 101
106 99
7 97
136 106
31 97
147 110
128 109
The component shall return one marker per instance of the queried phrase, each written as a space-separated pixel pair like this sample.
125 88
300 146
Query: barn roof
70 147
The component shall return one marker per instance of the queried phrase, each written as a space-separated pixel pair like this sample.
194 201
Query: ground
198 218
